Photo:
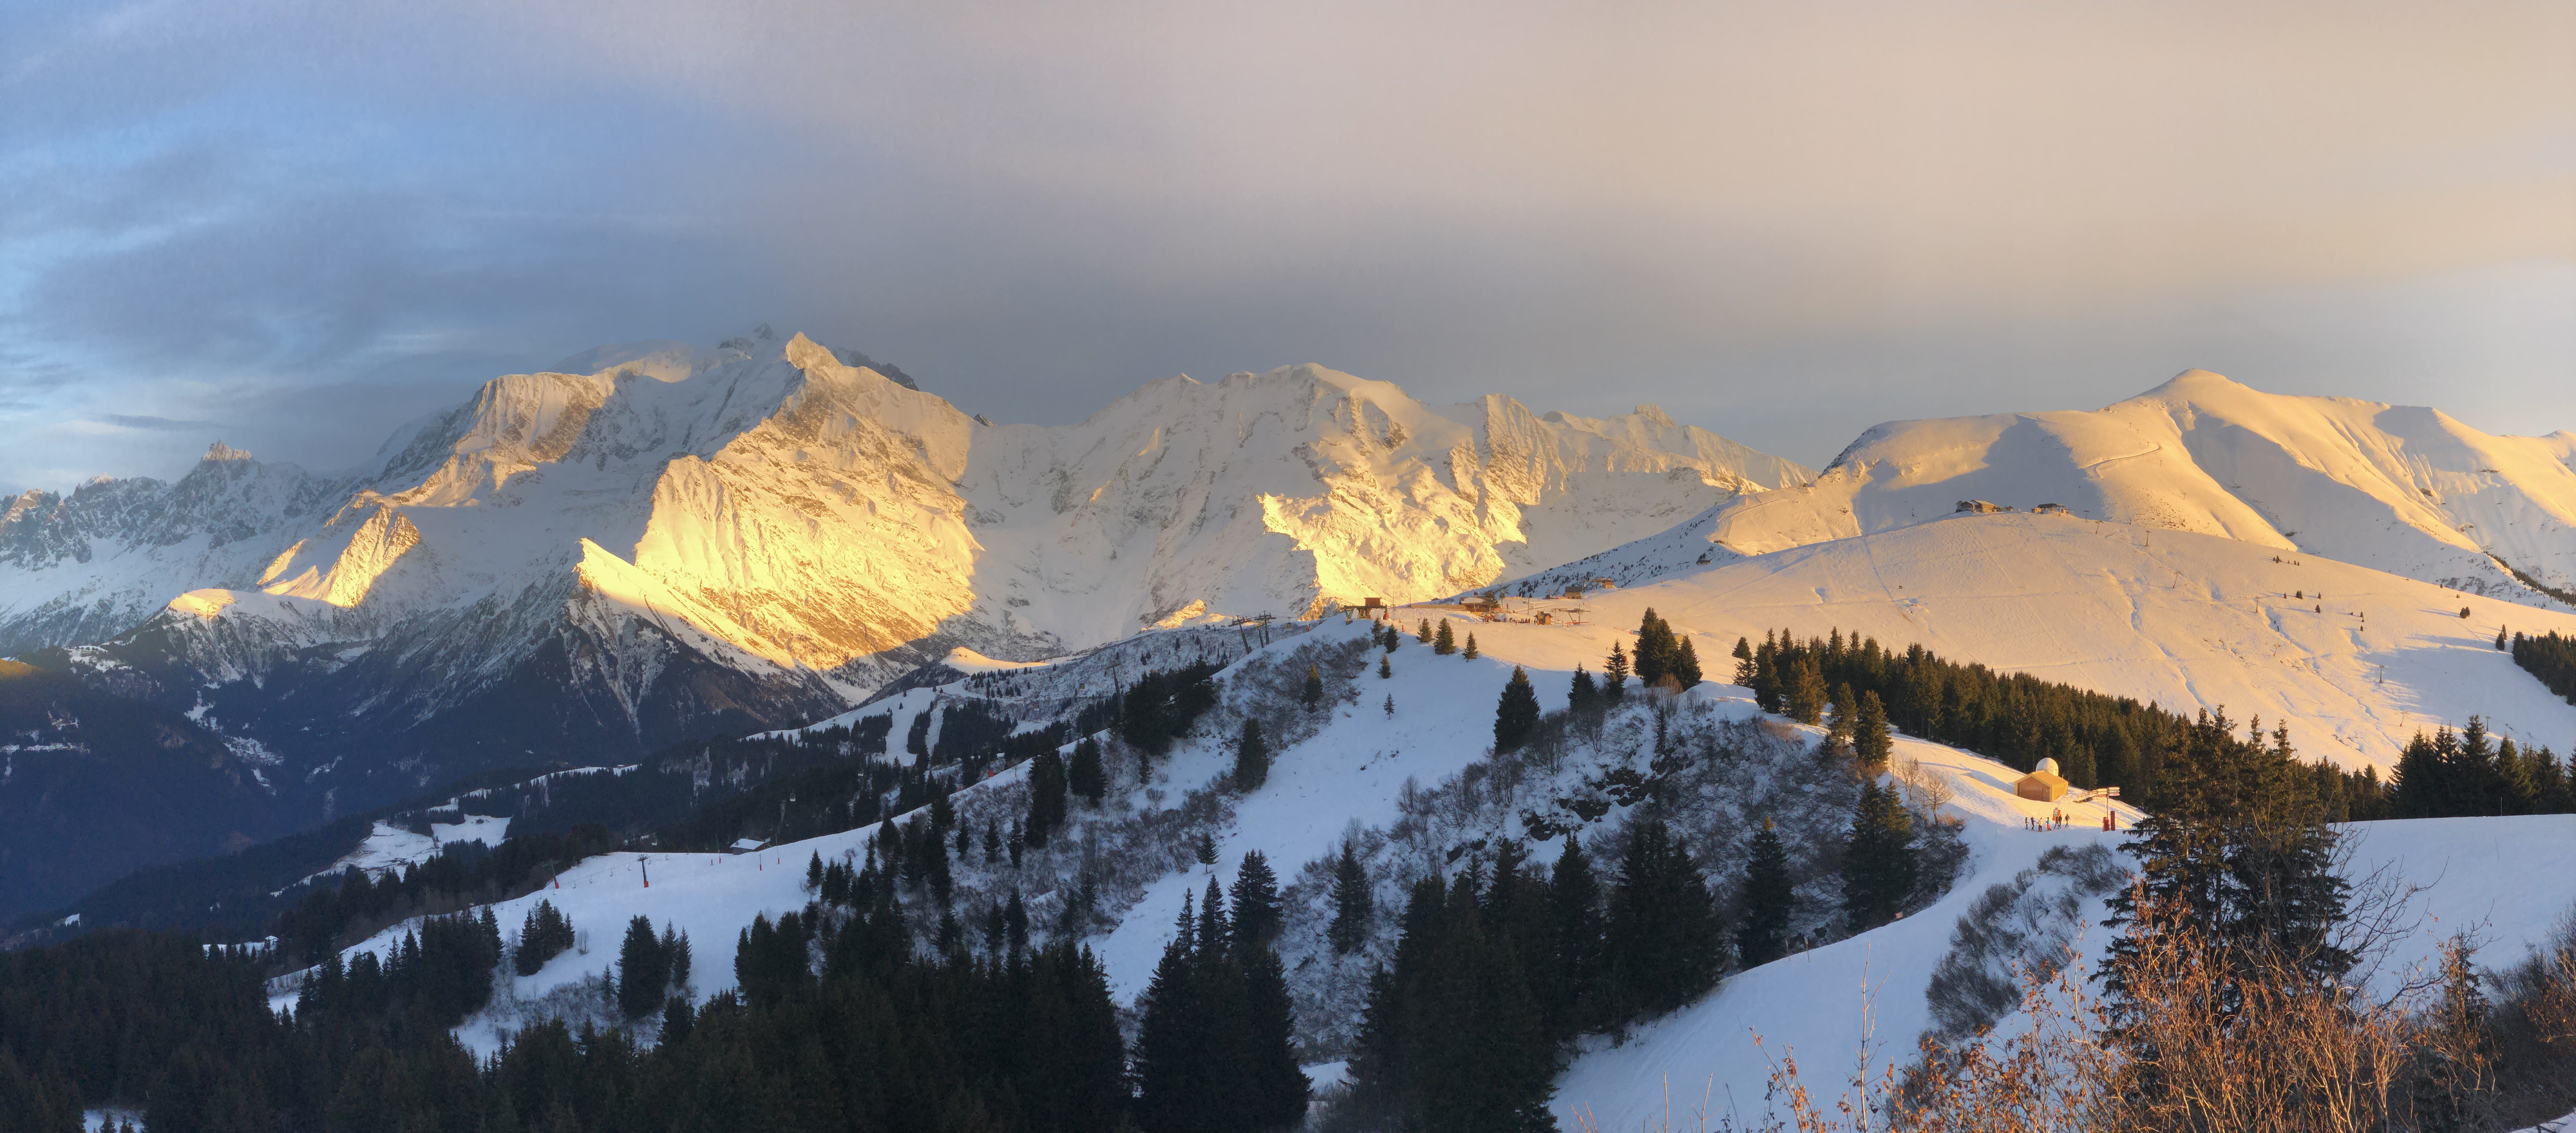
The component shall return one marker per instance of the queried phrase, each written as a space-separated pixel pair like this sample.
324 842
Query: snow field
2188 621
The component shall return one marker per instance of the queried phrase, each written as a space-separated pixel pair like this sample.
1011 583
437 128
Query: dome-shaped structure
2043 784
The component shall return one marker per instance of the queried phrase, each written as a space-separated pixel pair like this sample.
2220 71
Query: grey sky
297 225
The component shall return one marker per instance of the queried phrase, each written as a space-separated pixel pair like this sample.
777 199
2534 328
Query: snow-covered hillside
2355 660
681 540
1416 788
2405 490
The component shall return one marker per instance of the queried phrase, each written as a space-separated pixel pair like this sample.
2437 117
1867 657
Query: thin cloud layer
312 221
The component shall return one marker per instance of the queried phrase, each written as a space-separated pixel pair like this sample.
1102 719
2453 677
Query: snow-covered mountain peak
2405 489
653 535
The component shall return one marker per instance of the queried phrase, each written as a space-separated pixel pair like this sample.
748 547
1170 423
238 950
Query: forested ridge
2103 740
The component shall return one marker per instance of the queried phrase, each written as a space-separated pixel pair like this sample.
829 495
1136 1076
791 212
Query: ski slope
2357 666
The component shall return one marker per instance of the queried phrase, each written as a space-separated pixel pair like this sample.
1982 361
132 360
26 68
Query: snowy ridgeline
1417 793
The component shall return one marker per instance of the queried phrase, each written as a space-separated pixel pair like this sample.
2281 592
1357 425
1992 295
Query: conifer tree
1582 697
1614 674
1424 636
1840 727
1390 706
643 971
1207 848
1385 672
1686 665
1574 895
1353 904
1313 695
1763 935
1086 776
1656 650
1174 1086
1257 913
1015 923
2499 638
1806 693
1744 665
1879 865
1251 758
1663 942
1451 1041
1444 642
1470 651
1516 714
1870 740
1046 797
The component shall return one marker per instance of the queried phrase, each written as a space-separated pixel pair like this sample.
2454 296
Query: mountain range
654 542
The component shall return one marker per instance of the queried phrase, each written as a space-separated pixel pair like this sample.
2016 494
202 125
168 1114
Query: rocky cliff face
682 541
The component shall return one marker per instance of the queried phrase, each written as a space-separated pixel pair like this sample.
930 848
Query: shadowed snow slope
681 541
2356 666
2406 490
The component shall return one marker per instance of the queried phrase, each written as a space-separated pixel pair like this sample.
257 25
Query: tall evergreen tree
1806 692
1879 866
1744 664
643 971
1085 776
1424 636
1470 651
1583 695
1516 714
1614 674
1257 913
1450 1041
1664 943
1354 906
1574 894
1763 935
1385 672
1046 797
1251 757
1444 642
1870 739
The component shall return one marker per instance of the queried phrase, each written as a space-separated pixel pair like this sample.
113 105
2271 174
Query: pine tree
2499 638
1663 939
1445 642
1516 715
1314 693
643 971
1257 912
1806 692
1470 651
1656 650
1174 1086
1686 665
1844 723
1574 899
1207 848
1424 636
1870 740
1015 923
1390 706
1879 865
1353 904
1744 664
1046 797
1582 697
1451 1041
1385 672
1251 758
1086 776
1614 674
1763 936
